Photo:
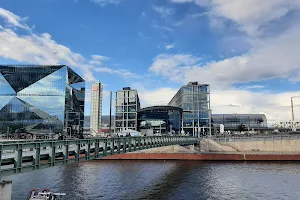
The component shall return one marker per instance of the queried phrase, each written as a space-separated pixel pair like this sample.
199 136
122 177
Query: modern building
194 99
41 99
160 119
240 121
96 106
127 104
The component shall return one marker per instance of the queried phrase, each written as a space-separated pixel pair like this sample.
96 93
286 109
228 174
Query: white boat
34 194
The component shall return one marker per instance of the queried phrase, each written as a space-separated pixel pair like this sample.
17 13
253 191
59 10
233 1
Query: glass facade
194 99
234 121
41 99
161 119
127 104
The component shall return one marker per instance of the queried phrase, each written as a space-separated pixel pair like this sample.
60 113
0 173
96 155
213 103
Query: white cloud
252 87
42 49
100 58
13 19
160 96
122 72
105 2
250 15
164 12
94 62
267 59
276 106
170 46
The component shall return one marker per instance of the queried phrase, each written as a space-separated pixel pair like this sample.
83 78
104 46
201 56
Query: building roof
161 107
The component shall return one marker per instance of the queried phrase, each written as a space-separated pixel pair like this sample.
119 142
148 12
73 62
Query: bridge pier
5 190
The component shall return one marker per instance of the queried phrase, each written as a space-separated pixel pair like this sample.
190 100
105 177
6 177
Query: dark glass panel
119 124
132 108
80 86
73 77
119 108
131 115
21 77
119 116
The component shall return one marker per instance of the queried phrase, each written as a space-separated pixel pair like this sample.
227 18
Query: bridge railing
257 138
32 155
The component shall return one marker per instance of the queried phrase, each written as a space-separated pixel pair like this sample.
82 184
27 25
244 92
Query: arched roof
160 107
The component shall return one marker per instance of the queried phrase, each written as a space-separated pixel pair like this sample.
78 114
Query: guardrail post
105 147
65 151
1 147
37 155
112 146
77 151
96 150
124 144
134 144
52 154
129 144
18 158
118 145
88 150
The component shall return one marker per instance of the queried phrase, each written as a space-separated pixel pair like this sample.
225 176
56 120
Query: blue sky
248 52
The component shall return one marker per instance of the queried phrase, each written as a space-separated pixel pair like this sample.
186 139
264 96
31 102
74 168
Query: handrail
23 156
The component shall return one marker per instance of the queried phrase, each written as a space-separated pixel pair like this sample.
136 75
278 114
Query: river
165 180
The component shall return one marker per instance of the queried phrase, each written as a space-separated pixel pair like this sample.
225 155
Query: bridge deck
25 156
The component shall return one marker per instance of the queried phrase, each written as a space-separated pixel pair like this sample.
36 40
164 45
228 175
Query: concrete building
41 99
194 99
127 104
96 106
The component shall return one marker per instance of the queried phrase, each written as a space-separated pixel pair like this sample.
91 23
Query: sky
247 50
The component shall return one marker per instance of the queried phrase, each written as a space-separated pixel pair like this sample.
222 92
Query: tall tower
96 106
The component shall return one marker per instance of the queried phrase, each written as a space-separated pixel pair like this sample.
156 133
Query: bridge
24 156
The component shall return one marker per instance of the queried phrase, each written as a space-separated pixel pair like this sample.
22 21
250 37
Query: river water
165 180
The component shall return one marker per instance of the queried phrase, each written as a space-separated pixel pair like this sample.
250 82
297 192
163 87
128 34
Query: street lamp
292 106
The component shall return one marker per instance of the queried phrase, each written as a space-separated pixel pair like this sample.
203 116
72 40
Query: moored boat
35 194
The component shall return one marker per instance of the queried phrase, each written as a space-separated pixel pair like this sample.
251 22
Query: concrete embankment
211 150
204 157
287 146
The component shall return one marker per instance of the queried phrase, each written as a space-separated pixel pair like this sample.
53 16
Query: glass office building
41 99
160 119
127 104
194 99
234 121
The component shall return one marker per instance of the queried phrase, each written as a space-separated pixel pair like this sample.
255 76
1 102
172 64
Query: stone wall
266 146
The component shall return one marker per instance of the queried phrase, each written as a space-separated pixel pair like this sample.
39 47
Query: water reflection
165 180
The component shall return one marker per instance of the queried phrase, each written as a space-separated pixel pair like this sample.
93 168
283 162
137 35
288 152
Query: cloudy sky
247 50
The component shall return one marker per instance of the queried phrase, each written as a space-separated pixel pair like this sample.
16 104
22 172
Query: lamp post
292 107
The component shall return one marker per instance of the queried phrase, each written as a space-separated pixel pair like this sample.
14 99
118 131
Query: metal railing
24 156
257 138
